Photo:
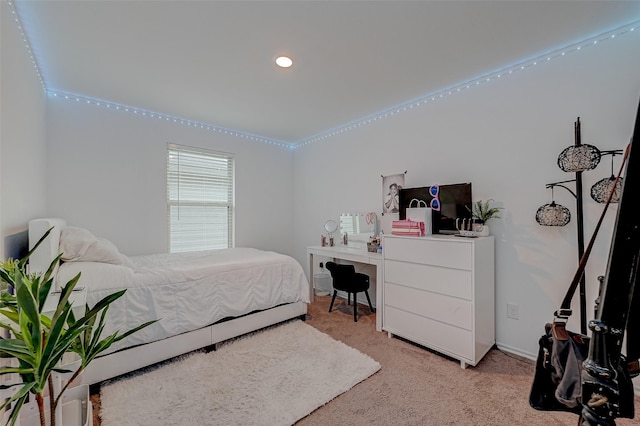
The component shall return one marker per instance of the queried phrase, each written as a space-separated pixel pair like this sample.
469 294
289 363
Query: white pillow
80 245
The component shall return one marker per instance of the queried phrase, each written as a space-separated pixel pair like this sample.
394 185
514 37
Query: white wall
107 172
22 135
504 137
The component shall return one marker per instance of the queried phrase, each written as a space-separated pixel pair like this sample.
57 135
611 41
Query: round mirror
331 226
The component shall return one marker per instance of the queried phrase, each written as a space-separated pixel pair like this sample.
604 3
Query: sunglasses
434 191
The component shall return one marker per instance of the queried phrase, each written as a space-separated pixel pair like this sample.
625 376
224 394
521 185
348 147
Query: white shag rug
272 377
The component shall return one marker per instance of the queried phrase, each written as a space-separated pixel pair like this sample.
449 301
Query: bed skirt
131 359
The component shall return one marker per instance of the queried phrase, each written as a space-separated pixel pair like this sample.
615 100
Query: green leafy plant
482 211
38 340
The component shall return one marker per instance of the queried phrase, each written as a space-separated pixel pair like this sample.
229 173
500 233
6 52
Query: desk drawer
450 254
444 309
444 338
452 282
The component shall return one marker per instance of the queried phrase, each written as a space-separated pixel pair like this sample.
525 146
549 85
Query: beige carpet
417 387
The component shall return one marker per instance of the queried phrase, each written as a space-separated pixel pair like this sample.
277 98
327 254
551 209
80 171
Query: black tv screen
454 200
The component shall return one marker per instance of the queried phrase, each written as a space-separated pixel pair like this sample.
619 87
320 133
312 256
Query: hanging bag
557 383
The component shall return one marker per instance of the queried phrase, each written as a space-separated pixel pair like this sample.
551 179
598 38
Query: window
199 199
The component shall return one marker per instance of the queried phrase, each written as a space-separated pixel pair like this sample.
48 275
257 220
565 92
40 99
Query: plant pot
482 230
76 409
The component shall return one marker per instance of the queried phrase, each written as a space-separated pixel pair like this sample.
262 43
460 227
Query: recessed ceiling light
284 61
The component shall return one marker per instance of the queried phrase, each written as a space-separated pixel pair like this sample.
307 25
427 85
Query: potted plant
38 340
481 212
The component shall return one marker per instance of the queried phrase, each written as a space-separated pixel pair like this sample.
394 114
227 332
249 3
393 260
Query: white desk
359 255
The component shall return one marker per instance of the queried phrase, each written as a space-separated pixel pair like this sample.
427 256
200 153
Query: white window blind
199 199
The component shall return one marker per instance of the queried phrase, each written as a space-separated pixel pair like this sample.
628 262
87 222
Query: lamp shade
600 190
553 215
578 158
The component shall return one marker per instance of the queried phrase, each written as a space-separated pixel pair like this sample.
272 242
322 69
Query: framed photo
391 186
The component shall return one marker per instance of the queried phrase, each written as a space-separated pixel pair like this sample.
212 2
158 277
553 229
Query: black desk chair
345 278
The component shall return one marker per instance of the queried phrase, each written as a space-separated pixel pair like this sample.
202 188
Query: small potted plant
482 212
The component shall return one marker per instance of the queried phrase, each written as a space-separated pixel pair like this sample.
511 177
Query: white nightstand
78 299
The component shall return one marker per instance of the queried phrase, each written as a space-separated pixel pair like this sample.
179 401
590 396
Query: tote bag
418 211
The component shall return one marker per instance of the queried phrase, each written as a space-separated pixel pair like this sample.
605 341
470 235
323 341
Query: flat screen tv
454 200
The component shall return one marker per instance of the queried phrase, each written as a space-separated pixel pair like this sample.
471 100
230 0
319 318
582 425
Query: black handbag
557 383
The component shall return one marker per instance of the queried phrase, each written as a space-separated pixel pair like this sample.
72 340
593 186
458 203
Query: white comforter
187 291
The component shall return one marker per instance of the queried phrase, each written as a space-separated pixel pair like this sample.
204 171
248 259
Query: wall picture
391 186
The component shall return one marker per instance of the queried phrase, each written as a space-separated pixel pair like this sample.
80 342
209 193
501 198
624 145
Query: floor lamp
577 159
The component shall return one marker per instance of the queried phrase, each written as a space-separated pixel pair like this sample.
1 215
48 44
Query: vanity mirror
330 226
359 227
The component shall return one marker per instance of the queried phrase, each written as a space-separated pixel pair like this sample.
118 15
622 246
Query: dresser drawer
444 338
444 309
452 282
437 252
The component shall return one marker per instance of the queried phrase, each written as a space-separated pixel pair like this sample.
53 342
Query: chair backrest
342 275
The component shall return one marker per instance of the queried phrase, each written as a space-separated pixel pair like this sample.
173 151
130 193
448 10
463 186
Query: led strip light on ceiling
486 78
164 117
16 18
416 102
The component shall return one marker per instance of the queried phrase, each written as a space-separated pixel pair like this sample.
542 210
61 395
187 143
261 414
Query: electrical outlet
513 311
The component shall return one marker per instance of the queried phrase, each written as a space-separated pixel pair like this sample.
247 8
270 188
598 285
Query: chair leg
333 299
369 300
348 298
355 308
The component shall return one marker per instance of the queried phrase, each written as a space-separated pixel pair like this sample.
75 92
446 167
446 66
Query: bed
201 298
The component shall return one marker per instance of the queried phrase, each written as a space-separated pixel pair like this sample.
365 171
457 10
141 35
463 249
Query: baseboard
515 351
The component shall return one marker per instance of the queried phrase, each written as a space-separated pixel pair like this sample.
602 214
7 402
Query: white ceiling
212 61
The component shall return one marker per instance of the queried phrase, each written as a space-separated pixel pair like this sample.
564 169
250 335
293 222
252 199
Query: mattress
187 291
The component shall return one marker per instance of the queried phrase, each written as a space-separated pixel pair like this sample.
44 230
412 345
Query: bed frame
131 359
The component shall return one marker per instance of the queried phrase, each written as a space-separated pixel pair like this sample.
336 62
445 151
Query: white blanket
187 291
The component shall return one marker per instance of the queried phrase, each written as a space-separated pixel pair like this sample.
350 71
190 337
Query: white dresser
439 293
